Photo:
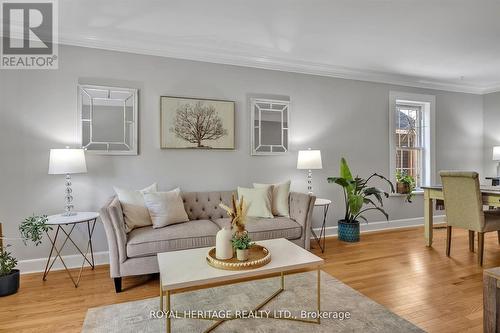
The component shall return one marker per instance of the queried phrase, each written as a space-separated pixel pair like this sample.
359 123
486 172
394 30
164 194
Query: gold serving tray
258 256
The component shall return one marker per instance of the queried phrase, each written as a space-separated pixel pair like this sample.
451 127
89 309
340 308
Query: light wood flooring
394 268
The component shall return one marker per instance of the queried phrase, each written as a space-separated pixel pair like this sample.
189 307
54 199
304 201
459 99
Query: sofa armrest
301 210
114 226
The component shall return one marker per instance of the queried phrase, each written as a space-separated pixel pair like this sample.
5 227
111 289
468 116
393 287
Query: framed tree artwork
196 123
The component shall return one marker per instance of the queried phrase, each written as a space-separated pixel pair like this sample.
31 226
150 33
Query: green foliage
33 227
7 262
242 242
357 193
404 178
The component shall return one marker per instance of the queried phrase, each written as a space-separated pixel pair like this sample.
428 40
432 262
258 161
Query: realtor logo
29 34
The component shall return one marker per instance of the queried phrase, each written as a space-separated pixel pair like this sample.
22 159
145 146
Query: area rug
343 309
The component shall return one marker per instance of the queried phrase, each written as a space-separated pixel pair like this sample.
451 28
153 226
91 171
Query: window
411 128
410 141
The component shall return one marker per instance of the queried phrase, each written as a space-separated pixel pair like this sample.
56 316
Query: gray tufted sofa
135 253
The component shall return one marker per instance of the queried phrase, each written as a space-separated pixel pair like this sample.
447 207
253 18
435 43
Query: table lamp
496 157
309 160
66 162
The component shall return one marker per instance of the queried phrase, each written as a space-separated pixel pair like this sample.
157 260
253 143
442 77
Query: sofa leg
118 284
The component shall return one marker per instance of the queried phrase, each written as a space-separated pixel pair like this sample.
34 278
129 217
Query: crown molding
189 52
491 89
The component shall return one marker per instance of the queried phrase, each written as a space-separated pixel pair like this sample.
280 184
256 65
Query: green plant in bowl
405 184
242 243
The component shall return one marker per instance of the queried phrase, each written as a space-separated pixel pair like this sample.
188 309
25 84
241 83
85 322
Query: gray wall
341 117
491 131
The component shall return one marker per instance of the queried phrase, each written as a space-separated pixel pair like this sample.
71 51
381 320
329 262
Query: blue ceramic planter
348 232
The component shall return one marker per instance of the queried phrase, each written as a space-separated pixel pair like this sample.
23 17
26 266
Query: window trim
428 103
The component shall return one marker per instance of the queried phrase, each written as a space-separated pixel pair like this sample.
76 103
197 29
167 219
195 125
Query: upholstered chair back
462 200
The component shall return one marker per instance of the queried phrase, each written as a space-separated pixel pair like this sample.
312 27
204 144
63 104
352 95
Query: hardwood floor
394 268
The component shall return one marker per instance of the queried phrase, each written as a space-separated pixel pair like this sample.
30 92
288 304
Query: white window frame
428 104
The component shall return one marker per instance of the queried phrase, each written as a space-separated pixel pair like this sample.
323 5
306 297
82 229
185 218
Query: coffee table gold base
219 321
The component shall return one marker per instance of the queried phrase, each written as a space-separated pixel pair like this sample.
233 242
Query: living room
262 166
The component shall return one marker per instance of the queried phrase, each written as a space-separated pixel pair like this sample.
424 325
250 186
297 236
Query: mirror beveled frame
256 139
129 126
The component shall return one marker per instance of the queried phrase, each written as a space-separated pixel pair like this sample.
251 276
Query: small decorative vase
348 232
223 246
242 255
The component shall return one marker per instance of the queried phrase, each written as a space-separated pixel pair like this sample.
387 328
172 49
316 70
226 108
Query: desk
491 197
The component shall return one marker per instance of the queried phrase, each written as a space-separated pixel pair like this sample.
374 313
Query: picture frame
196 123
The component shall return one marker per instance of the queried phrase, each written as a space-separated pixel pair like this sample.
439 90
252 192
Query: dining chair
464 209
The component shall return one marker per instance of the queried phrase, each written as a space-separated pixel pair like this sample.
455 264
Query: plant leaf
339 181
375 192
345 172
355 203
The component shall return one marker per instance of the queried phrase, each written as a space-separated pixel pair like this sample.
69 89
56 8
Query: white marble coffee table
189 268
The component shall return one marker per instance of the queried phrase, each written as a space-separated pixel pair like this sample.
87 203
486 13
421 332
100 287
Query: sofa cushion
280 204
135 213
261 229
165 208
147 241
257 200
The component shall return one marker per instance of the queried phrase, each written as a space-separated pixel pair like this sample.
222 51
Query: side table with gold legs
70 222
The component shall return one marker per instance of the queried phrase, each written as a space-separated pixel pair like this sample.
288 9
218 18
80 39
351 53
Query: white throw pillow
135 213
258 201
165 208
280 206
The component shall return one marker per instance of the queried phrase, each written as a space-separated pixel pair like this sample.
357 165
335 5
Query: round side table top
322 202
77 218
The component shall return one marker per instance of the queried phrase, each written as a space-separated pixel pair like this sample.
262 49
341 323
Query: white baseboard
72 261
102 258
383 225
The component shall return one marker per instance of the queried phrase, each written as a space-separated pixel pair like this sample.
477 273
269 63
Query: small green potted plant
242 243
359 197
31 229
405 184
9 277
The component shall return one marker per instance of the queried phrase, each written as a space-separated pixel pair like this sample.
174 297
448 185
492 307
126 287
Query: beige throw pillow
165 208
258 201
135 213
280 206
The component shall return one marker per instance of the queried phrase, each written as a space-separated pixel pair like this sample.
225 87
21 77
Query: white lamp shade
496 153
309 159
65 161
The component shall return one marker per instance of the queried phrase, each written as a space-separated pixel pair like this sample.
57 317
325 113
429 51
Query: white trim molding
172 49
72 261
385 225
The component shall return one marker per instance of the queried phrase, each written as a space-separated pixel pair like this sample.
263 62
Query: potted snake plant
359 197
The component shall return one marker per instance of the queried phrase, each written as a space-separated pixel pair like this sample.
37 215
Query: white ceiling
445 44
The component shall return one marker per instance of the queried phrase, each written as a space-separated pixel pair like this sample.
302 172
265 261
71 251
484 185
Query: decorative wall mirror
108 119
269 131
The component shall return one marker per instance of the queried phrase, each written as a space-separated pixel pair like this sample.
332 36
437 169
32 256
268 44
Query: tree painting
197 123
